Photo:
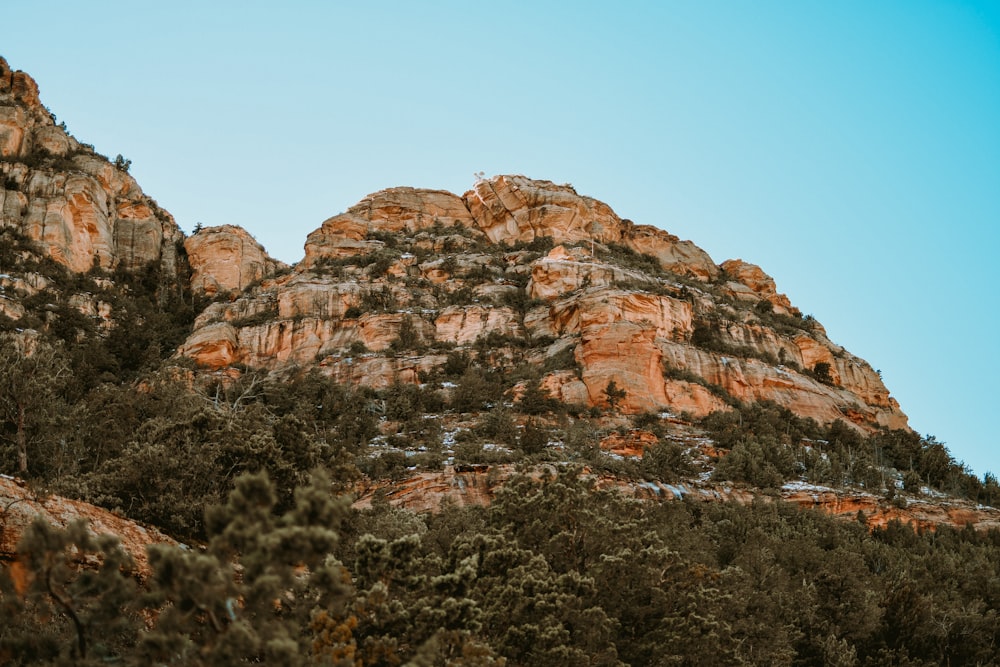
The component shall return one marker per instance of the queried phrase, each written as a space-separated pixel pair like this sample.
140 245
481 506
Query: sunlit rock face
226 259
78 207
533 265
515 270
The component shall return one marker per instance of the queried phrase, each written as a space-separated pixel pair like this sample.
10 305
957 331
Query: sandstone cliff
530 265
227 259
80 208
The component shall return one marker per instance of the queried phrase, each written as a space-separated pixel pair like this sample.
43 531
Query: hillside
568 439
548 276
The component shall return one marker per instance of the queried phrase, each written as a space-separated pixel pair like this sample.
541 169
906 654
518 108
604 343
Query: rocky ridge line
634 305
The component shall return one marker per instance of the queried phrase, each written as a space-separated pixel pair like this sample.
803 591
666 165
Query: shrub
821 371
614 394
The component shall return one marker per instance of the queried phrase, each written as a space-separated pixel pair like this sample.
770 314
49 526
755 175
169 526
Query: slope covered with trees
602 379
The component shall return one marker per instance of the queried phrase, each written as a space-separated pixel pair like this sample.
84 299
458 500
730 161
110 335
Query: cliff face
513 260
530 265
75 204
226 259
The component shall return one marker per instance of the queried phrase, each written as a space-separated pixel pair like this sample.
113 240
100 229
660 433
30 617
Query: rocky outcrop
20 506
388 211
567 270
227 259
684 337
674 255
515 209
424 492
462 325
79 208
749 283
407 272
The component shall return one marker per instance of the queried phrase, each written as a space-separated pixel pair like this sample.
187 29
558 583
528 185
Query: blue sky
852 149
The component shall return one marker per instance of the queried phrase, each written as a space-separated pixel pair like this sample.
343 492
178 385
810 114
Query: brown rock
212 346
380 372
463 325
633 444
567 387
512 209
758 285
623 323
424 492
692 398
567 270
625 353
81 210
226 259
675 255
392 210
20 506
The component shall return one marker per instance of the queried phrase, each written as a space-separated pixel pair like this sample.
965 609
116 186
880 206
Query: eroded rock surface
515 261
81 209
21 506
227 259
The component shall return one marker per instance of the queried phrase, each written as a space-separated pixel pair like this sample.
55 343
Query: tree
248 596
31 373
536 401
822 372
613 394
74 606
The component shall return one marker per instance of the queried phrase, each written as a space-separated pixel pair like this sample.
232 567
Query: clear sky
850 148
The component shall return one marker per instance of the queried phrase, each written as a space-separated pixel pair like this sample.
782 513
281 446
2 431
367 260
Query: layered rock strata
516 259
77 206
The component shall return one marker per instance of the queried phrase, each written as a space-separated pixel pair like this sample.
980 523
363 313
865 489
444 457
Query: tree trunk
22 443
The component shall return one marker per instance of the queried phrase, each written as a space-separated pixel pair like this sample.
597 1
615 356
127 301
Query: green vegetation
554 572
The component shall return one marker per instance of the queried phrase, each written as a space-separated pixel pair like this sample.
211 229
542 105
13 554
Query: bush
533 438
821 371
498 425
762 463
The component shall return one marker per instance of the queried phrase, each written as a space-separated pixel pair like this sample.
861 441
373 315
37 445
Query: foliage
555 571
613 394
33 374
537 401
821 371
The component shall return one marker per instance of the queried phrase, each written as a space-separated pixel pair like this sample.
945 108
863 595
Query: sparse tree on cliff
614 394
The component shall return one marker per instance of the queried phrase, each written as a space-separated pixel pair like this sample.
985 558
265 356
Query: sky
850 148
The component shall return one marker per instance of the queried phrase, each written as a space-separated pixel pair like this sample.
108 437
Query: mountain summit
551 278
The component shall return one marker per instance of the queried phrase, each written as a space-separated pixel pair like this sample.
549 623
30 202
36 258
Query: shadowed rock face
20 507
77 206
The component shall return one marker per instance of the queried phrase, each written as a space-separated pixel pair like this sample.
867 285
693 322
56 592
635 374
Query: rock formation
424 492
19 506
516 259
226 259
81 209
